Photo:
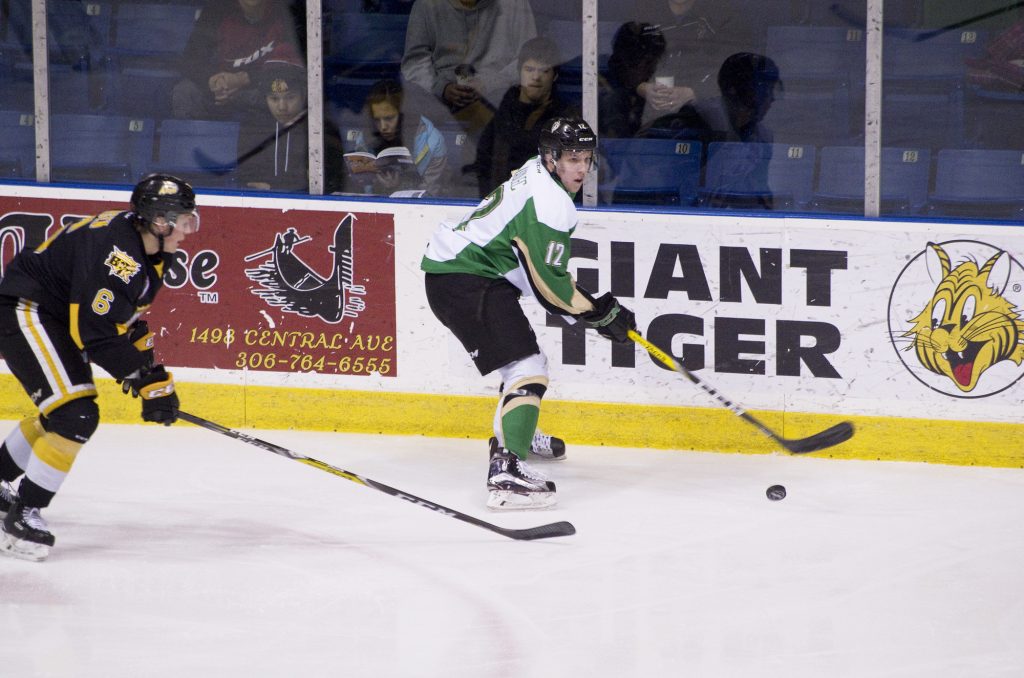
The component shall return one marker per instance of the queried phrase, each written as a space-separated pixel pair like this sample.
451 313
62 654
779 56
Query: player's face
572 168
535 80
385 119
176 229
286 106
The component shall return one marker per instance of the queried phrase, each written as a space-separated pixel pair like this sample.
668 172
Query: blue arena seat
204 152
934 60
978 183
348 92
461 151
101 148
72 23
758 176
157 30
77 31
367 45
148 41
923 119
816 54
142 91
71 90
821 116
651 171
18 151
905 176
992 119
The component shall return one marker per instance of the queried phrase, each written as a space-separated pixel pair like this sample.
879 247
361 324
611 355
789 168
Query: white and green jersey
521 232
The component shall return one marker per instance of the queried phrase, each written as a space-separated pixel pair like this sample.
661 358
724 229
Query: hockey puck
776 492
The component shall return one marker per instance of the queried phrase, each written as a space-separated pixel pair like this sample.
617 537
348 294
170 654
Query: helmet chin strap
159 237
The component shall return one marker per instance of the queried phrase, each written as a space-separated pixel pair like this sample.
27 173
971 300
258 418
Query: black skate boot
547 447
512 485
7 498
25 534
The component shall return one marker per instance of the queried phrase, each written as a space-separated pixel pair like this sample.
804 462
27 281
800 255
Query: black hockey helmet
163 195
566 134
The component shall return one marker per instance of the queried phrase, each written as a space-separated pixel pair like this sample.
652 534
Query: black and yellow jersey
96 274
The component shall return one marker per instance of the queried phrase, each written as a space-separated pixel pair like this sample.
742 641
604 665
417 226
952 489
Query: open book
395 157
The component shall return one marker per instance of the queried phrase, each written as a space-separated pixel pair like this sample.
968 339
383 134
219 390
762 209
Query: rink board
309 313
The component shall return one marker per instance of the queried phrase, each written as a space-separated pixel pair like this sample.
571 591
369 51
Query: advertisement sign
259 289
917 320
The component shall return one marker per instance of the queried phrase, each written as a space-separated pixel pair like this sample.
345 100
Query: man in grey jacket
464 52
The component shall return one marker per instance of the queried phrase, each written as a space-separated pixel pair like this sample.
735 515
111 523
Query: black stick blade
560 529
839 433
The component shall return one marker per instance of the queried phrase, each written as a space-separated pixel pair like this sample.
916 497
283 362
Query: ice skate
7 498
547 447
25 534
512 485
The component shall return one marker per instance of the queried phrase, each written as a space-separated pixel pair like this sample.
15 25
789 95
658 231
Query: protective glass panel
424 95
727 105
17 123
951 113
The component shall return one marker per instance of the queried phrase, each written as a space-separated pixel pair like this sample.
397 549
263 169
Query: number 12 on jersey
556 251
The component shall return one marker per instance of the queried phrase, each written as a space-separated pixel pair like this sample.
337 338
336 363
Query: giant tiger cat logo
968 326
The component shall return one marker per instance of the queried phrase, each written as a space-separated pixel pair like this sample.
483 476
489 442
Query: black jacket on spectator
512 136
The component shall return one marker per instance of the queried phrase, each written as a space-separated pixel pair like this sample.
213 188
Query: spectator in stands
748 84
464 52
232 39
511 137
274 143
636 50
395 121
698 34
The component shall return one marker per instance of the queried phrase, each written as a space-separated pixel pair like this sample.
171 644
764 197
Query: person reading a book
390 172
390 126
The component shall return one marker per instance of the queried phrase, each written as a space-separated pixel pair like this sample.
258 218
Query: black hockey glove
142 340
610 319
159 399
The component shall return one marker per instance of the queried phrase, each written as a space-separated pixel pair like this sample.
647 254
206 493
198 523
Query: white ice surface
181 552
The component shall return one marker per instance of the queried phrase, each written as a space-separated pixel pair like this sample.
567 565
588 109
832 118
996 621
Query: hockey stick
832 436
559 529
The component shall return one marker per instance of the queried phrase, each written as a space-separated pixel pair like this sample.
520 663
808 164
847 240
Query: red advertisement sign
259 289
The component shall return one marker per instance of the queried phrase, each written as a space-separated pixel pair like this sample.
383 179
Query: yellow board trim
621 424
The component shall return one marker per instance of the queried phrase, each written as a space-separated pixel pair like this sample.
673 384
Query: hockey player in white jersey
517 242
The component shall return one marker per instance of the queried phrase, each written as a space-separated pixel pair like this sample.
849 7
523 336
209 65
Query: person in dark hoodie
274 144
511 137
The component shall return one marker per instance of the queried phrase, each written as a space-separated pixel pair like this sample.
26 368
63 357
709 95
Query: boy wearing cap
274 145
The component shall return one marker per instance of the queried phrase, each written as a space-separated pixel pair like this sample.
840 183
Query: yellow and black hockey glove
159 398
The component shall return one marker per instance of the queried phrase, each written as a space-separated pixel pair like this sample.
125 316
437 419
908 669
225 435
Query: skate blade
507 500
544 456
23 550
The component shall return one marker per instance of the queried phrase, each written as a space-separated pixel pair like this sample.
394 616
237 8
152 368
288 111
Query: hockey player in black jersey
76 300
